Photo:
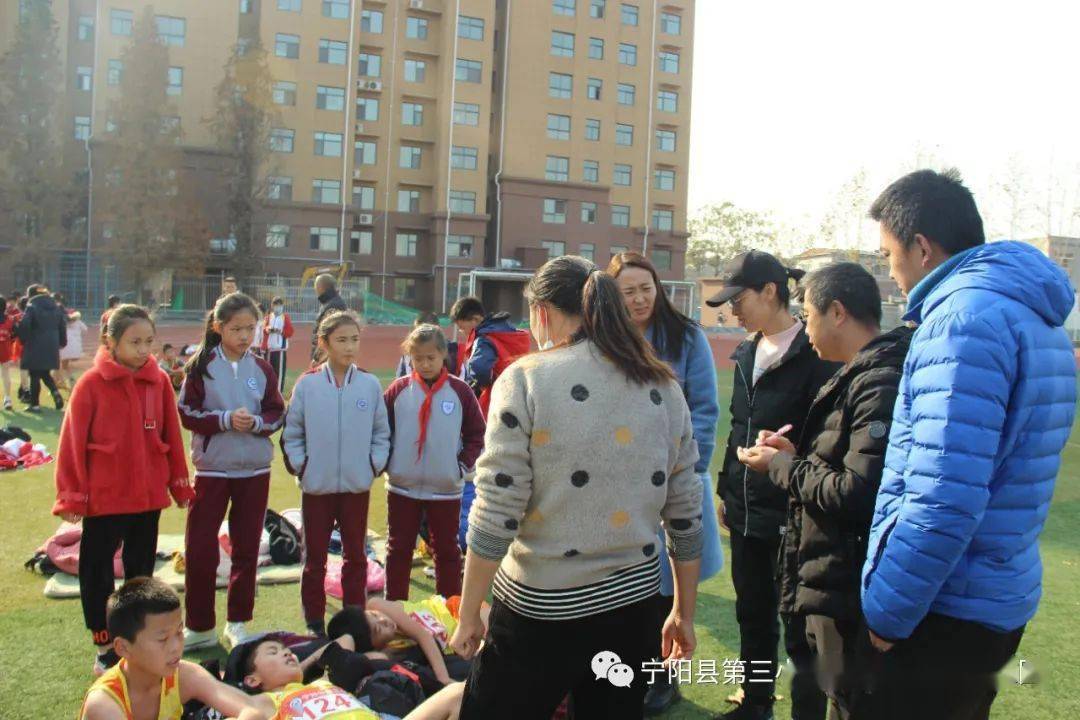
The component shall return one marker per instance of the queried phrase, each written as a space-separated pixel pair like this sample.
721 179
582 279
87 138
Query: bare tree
720 232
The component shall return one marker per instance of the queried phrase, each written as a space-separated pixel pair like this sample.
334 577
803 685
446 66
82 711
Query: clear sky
790 99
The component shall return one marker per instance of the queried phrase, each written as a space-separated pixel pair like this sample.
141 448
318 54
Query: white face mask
278 309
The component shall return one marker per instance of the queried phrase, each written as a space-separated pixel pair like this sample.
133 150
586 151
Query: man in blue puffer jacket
985 407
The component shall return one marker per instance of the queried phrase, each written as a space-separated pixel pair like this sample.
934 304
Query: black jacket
782 395
43 331
833 481
329 301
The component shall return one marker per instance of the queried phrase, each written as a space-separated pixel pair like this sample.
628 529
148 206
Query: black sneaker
33 409
58 401
317 628
659 697
747 711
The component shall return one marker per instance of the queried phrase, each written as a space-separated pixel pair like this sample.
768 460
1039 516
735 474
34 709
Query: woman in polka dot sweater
589 448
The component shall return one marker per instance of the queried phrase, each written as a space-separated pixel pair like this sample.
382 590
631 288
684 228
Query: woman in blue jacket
681 343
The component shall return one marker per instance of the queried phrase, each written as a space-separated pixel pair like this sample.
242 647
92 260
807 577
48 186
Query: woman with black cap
777 375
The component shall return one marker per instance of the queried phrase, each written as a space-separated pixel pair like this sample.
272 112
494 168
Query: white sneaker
196 639
235 634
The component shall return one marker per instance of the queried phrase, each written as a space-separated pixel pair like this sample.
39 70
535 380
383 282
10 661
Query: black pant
36 378
528 666
757 603
276 358
100 537
946 670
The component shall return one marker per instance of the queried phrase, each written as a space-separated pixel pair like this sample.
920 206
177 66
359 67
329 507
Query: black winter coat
43 331
328 302
832 482
782 395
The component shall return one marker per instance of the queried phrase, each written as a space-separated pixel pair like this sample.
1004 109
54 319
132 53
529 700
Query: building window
463 158
588 213
367 109
412 114
664 179
279 188
415 71
468 70
176 81
406 245
363 196
287 46
338 9
628 54
620 215
326 191
665 140
408 201
463 201
171 30
564 7
555 248
371 21
371 65
557 168
284 93
330 98
416 28
121 21
328 144
364 152
618 250
591 171
409 157
470 28
626 94
596 48
459 246
558 127
596 8
82 127
277 236
245 7
466 114
661 259
560 85
624 134
554 211
562 44
594 88
324 239
242 46
670 24
667 101
404 289
669 62
588 251
332 52
289 5
622 175
592 129
115 72
361 242
86 27
83 78
662 220
629 14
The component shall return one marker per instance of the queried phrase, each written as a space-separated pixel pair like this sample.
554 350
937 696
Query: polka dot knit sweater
579 467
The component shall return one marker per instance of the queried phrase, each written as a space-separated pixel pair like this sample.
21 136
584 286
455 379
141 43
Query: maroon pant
320 511
245 499
403 517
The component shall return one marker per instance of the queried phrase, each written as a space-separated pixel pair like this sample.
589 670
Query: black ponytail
226 307
574 286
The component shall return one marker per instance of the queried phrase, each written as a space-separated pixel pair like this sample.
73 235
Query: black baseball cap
751 269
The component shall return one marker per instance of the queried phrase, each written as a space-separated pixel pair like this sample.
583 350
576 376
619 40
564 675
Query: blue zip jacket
984 408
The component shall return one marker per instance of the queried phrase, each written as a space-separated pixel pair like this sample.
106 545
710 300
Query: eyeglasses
737 300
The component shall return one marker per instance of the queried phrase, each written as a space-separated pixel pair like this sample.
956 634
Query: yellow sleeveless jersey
438 615
114 684
318 701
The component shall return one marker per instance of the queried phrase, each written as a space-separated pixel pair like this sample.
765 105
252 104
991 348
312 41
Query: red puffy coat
120 444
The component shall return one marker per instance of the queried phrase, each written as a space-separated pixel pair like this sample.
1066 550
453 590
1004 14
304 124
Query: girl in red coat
121 455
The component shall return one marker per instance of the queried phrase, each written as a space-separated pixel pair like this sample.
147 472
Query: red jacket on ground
120 444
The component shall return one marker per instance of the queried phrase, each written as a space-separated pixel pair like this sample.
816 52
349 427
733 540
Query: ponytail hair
225 308
574 286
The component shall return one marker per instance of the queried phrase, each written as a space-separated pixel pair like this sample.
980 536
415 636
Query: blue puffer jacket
984 409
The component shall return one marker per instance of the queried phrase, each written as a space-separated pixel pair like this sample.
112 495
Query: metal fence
191 298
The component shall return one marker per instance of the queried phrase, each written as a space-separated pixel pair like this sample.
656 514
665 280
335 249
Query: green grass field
45 652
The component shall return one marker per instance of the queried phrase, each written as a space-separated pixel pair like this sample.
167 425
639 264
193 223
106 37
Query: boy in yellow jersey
151 682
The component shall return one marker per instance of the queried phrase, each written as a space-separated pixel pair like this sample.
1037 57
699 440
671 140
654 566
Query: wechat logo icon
606 665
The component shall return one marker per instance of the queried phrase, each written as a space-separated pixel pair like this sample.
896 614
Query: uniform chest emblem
252 383
447 407
362 404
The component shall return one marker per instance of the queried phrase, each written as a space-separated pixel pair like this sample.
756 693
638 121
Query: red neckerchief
425 408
